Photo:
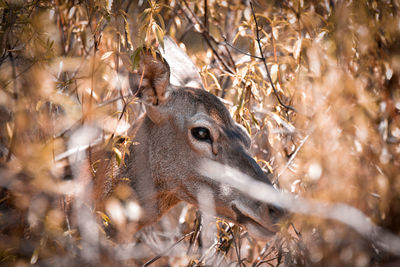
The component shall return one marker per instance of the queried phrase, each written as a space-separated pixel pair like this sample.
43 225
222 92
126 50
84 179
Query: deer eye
201 134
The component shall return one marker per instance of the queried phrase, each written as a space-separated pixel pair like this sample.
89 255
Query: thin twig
167 250
205 16
266 261
61 24
202 258
206 35
240 50
265 61
198 225
19 74
237 246
70 242
294 155
15 99
276 57
295 230
352 217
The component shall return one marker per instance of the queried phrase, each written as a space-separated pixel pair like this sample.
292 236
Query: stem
265 61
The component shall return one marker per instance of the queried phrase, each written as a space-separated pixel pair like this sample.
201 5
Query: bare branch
294 155
167 250
340 212
265 61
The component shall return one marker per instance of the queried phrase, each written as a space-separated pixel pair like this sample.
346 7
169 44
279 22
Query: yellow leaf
160 36
274 73
297 49
162 24
35 256
136 58
106 55
104 216
215 80
127 29
118 155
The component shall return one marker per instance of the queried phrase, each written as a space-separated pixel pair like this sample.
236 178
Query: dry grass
326 123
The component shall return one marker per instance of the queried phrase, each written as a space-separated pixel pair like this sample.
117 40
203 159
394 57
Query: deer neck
139 168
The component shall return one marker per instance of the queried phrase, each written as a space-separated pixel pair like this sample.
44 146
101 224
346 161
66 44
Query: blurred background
324 119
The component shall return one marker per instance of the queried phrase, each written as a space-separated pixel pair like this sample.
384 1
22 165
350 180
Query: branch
293 155
346 214
265 61
167 250
240 50
206 35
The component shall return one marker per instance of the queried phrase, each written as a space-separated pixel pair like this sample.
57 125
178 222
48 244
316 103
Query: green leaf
136 58
104 217
254 119
35 255
162 24
160 36
127 29
118 155
247 126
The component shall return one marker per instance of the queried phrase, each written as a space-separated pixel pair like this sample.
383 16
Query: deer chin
257 231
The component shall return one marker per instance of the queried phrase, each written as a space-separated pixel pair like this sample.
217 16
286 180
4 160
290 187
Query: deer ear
183 71
151 82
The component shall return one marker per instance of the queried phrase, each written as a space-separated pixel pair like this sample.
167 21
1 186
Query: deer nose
276 213
270 212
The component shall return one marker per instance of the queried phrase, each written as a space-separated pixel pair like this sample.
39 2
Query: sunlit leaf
104 217
118 155
274 73
160 36
254 120
297 49
136 58
106 55
127 28
35 255
161 20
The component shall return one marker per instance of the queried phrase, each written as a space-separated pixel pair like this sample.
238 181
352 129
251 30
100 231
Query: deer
183 124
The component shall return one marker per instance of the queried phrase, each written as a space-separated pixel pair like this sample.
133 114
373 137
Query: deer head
183 125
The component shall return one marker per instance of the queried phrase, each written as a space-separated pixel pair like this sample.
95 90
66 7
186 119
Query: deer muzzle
260 218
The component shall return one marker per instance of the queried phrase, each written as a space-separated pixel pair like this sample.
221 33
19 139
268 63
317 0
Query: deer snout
256 218
276 213
255 172
259 218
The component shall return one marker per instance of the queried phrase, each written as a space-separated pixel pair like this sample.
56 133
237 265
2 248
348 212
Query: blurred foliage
327 125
